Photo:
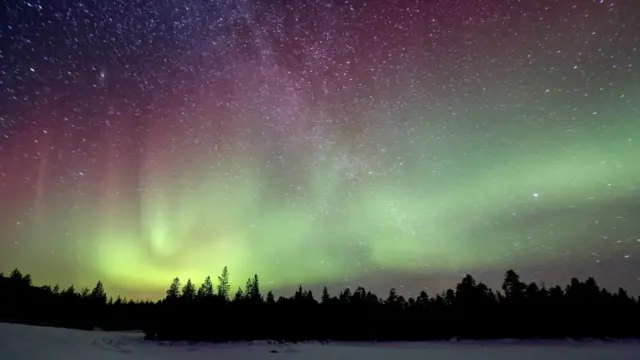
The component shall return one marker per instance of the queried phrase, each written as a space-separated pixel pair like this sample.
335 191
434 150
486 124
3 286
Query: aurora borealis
320 142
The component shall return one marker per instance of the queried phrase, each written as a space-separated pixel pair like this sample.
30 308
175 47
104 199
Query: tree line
208 312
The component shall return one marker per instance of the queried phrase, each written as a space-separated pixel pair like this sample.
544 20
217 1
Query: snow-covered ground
32 343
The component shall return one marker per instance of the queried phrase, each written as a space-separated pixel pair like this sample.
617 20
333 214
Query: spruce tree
270 298
174 290
224 287
239 295
392 298
324 300
514 289
206 289
189 291
248 289
98 295
255 296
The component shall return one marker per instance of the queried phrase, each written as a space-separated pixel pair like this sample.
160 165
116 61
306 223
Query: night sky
380 143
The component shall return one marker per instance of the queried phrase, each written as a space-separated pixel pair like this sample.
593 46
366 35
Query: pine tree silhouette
224 287
255 294
239 295
189 291
512 286
206 289
174 290
581 309
248 289
270 298
325 298
98 295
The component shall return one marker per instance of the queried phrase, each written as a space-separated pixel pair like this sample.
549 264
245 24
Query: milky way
397 143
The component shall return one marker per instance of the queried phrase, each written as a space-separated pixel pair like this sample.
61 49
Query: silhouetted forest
212 312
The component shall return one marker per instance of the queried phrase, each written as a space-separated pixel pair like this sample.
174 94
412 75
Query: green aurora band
357 212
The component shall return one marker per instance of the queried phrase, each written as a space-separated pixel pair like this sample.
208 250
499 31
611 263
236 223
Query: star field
375 143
